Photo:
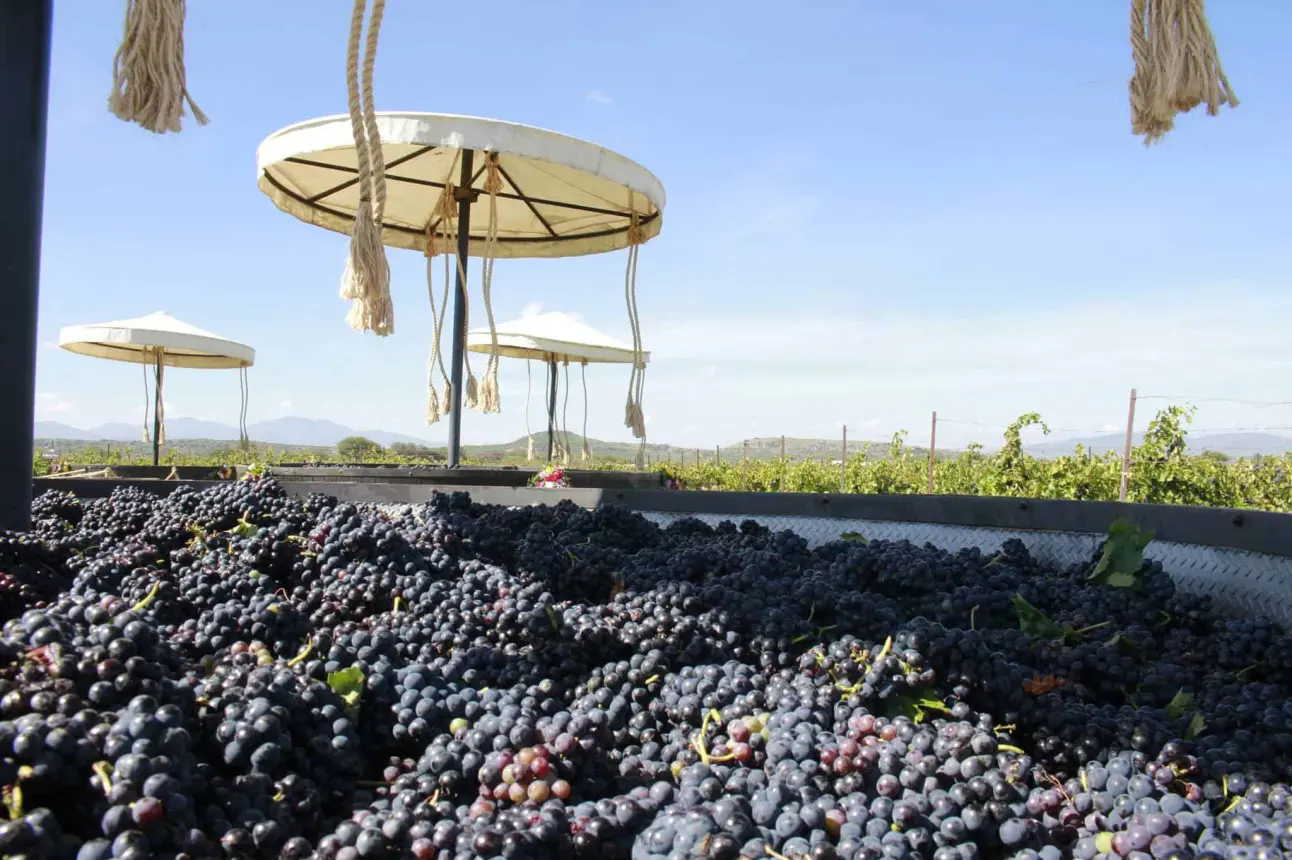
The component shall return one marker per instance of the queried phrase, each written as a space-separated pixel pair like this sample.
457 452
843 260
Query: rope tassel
149 82
366 279
1177 66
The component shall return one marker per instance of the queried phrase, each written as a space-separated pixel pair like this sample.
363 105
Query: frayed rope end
472 397
433 414
366 279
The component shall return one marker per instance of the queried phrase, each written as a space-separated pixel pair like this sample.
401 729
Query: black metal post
460 310
157 406
24 106
551 407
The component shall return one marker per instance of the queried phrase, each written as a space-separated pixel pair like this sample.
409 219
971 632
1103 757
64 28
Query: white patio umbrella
160 341
557 340
460 186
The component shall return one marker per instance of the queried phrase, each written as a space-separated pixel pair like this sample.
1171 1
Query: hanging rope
434 409
148 436
244 385
471 397
149 83
553 430
447 212
529 434
490 400
587 446
366 279
634 418
565 408
1177 65
160 407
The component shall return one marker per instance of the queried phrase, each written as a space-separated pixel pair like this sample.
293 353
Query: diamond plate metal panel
1242 583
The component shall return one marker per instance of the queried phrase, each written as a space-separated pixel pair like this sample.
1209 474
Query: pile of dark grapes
239 673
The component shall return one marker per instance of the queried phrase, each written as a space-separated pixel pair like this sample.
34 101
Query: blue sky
875 210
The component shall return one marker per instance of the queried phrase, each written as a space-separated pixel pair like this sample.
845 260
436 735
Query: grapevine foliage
1161 470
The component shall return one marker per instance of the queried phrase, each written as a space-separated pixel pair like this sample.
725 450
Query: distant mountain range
320 433
1229 444
308 432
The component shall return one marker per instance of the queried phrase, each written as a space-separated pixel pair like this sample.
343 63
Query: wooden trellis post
843 463
1126 452
933 444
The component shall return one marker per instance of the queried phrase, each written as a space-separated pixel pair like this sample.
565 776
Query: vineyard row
1161 470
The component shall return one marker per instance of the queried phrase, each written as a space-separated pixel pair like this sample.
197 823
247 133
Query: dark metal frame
25 28
465 198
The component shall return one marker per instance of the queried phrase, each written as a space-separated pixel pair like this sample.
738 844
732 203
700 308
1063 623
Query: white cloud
599 97
49 403
884 350
532 309
885 370
286 404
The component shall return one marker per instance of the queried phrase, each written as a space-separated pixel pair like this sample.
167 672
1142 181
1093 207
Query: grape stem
13 801
305 652
698 742
152 595
104 772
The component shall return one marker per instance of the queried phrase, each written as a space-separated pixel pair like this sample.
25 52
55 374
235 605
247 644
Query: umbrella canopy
141 340
553 337
560 197
457 186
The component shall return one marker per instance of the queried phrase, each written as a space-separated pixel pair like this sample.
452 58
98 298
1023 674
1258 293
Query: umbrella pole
460 311
157 408
551 408
24 103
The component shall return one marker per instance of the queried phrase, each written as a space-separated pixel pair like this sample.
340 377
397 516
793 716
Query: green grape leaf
853 537
932 705
1123 555
1197 725
1033 621
1120 580
1179 705
915 705
348 684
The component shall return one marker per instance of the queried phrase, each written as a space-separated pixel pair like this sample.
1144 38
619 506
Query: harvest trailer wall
1243 559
